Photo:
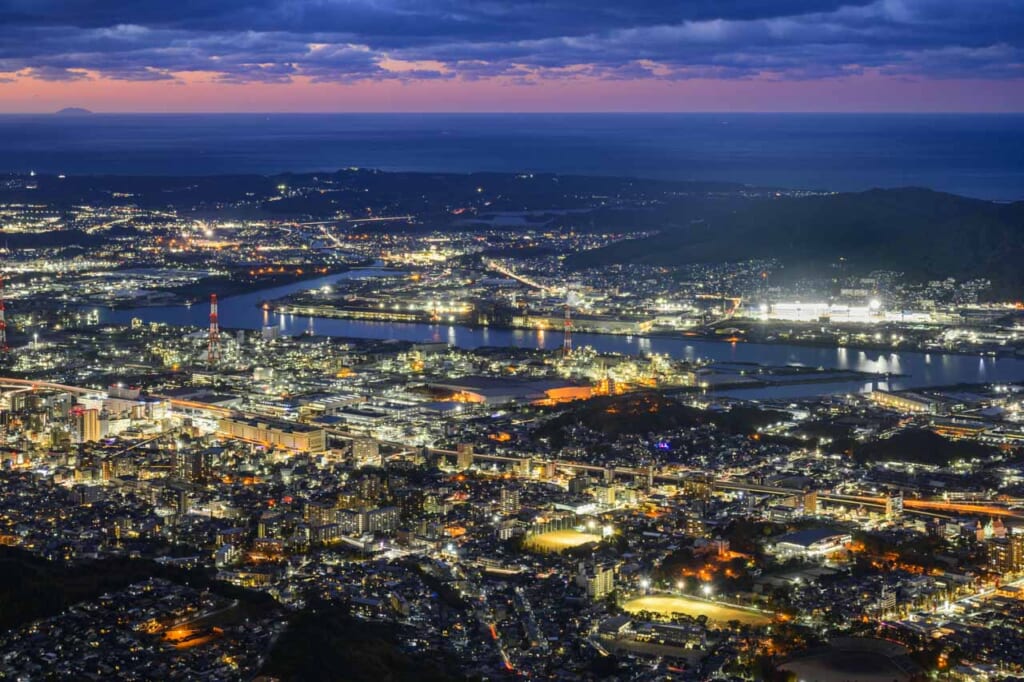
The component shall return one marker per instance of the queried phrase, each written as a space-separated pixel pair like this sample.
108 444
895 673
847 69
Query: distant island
73 111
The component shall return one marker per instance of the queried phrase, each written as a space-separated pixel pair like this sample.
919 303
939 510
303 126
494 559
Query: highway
6 382
501 270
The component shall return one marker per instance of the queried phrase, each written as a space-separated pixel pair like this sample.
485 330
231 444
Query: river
921 369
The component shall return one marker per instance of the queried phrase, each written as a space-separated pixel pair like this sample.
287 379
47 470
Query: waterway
919 370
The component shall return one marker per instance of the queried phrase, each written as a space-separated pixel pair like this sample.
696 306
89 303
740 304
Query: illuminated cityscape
510 462
429 341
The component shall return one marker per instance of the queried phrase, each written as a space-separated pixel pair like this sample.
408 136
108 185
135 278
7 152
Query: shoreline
335 314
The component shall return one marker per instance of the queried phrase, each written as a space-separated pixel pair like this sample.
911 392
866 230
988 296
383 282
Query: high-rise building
509 500
1017 551
887 602
183 502
380 520
372 488
410 502
606 494
194 466
597 579
579 484
696 525
464 456
999 555
350 521
87 424
366 451
894 506
320 514
1006 554
698 487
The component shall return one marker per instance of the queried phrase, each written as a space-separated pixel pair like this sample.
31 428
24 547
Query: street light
680 585
706 589
645 584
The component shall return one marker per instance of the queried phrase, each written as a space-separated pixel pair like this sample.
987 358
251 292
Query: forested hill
918 231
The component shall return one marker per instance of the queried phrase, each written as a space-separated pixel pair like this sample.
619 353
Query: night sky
512 55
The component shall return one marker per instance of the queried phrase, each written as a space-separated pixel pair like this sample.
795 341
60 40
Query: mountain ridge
919 231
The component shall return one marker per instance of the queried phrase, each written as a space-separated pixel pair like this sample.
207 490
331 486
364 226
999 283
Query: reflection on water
884 364
795 391
243 312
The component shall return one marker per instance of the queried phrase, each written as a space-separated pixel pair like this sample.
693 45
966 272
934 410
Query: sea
976 155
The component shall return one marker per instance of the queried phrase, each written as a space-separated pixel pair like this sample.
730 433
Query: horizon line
85 112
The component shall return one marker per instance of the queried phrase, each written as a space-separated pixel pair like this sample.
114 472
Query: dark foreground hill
918 231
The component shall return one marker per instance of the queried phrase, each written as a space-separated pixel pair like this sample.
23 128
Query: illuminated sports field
667 605
558 540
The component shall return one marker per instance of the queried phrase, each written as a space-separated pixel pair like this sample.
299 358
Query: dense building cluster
243 499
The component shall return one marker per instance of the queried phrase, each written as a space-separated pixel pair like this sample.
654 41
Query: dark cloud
348 40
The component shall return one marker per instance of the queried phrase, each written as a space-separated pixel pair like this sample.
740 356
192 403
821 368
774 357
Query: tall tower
213 352
3 319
